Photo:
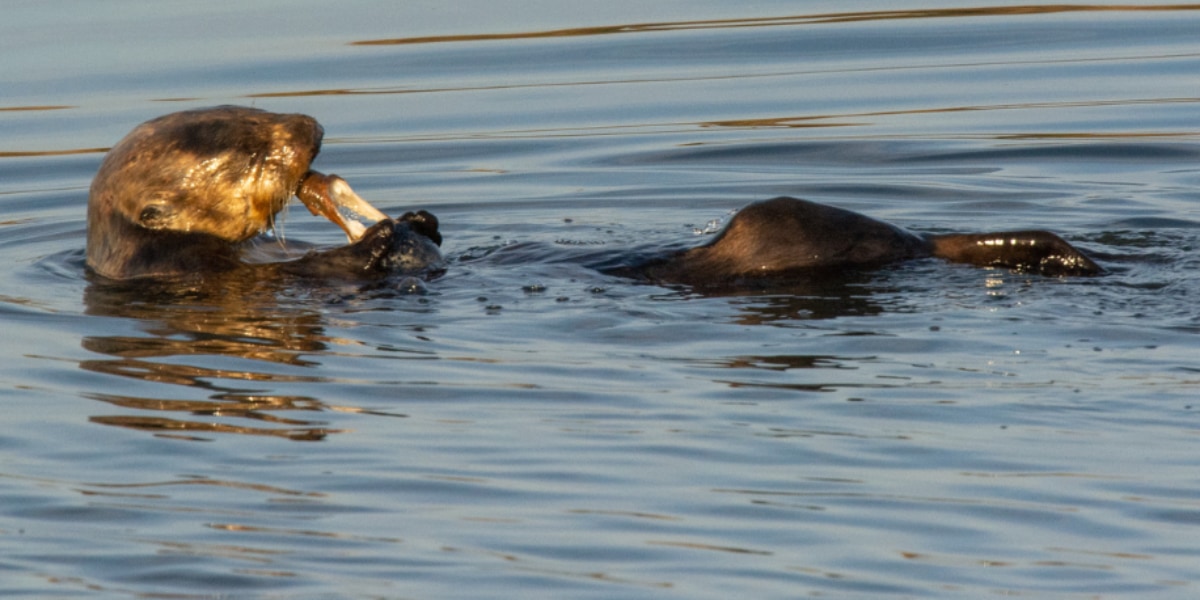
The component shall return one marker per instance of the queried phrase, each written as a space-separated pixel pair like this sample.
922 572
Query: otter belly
784 236
788 236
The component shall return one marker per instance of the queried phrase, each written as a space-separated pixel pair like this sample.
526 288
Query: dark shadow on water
816 294
819 295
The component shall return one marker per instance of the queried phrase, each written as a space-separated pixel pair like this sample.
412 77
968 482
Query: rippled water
528 427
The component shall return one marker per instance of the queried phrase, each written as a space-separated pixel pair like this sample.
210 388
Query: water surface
528 427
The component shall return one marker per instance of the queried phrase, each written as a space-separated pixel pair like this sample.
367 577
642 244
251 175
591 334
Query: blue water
529 428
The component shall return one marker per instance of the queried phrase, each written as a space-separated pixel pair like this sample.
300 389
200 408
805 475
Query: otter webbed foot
1026 251
406 246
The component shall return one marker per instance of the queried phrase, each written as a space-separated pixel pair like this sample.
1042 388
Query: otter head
183 189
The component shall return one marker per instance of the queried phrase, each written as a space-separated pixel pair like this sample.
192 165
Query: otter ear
154 216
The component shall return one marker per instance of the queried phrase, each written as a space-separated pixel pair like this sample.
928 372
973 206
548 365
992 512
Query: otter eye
152 217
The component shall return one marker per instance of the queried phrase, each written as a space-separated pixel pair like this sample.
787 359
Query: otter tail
1028 251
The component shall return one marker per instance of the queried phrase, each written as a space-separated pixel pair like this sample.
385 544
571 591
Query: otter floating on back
182 193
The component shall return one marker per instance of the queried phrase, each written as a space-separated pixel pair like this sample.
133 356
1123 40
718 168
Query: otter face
226 173
219 173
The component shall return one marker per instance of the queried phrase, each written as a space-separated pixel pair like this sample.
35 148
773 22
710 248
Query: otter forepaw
424 223
404 246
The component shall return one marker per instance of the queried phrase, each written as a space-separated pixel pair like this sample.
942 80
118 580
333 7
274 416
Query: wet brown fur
783 236
180 192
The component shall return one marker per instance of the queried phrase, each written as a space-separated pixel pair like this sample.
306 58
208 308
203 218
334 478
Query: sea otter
183 193
788 236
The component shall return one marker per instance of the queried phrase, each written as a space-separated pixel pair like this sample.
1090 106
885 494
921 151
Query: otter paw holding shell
405 245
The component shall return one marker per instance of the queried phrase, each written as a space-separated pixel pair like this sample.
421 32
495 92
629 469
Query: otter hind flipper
1027 251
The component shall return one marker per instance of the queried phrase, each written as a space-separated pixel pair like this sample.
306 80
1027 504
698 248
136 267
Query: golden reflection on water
846 17
34 153
237 317
853 119
810 120
243 528
711 547
302 434
205 481
35 108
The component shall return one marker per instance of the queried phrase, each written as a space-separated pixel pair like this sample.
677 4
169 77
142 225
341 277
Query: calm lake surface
526 427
